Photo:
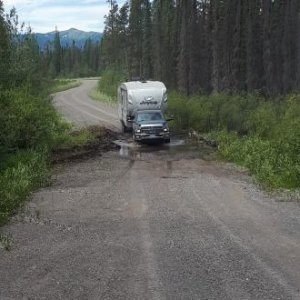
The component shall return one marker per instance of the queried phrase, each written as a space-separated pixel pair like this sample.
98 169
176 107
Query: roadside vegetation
97 95
109 82
31 129
262 135
106 90
59 85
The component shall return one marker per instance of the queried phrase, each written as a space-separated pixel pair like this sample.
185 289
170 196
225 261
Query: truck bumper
152 137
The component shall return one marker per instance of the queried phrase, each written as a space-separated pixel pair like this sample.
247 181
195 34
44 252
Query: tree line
23 62
19 54
207 45
70 60
31 128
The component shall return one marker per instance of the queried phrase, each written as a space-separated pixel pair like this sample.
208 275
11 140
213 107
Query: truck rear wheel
167 140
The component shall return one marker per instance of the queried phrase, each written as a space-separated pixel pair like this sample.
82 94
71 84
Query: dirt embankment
101 140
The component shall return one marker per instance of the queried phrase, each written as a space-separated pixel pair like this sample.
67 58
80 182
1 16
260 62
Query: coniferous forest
207 45
70 60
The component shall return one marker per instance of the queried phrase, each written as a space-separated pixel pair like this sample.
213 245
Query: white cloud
44 15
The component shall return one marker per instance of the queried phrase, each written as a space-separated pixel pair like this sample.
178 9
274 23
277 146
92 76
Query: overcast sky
44 15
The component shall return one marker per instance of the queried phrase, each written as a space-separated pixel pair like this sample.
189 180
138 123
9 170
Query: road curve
79 108
160 224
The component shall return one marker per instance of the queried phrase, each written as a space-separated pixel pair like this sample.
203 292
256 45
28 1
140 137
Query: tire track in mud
138 208
170 166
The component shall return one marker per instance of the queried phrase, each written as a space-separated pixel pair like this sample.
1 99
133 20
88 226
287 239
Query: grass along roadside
60 85
6 241
260 134
32 136
26 170
106 89
97 95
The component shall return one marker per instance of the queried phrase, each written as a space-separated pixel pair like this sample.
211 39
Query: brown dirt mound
101 142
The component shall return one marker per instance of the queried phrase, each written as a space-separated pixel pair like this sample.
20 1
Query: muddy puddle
180 147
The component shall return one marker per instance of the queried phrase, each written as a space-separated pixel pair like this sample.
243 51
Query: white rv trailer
140 95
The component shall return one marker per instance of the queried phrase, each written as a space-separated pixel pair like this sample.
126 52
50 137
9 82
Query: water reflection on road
179 148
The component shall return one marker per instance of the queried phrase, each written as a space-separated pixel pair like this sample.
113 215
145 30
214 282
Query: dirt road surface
150 223
80 109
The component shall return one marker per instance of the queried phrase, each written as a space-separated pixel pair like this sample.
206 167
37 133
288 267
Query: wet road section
180 147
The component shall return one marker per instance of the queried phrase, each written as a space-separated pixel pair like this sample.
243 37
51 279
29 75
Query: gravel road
150 223
83 111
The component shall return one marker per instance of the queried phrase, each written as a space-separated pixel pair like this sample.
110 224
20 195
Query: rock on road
149 227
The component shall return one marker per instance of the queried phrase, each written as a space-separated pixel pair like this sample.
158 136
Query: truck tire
135 139
167 141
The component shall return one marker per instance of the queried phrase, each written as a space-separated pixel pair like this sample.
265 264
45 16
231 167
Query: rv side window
123 96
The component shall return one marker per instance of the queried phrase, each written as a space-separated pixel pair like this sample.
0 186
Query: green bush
218 111
30 129
262 135
269 160
178 106
110 79
59 85
20 174
27 121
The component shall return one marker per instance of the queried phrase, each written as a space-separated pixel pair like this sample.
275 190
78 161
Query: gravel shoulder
150 226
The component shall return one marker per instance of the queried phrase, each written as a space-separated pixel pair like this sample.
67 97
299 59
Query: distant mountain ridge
67 37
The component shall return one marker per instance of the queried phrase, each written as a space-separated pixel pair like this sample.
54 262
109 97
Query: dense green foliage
274 162
59 85
30 129
262 135
30 126
27 121
20 173
109 82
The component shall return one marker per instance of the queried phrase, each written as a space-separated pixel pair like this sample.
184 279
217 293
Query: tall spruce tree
123 35
109 44
221 45
163 37
57 53
254 46
136 38
147 41
4 49
184 46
